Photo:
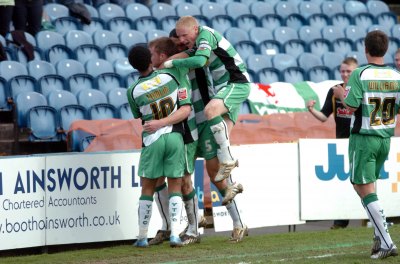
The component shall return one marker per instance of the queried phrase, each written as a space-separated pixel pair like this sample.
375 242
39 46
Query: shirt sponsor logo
182 94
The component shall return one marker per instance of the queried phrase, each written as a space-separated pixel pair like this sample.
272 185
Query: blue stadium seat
271 21
75 38
187 9
90 97
162 10
332 59
60 98
95 67
364 20
283 34
293 75
68 114
109 10
318 21
379 27
67 68
221 23
353 7
156 33
387 19
359 56
131 78
103 38
395 31
307 8
319 74
4 96
235 35
377 7
114 52
102 111
269 75
341 20
54 10
359 45
108 81
260 9
256 62
122 67
85 142
270 47
92 11
10 69
211 9
125 112
42 123
342 45
331 8
87 51
119 24
117 97
46 39
319 46
136 10
282 61
144 24
129 38
308 33
295 21
294 47
57 53
22 83
24 102
355 32
308 60
394 45
332 32
65 24
246 48
81 81
286 8
21 56
96 24
259 34
168 23
241 14
51 82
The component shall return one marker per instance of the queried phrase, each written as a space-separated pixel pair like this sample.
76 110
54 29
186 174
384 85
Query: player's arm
134 108
178 116
340 93
196 61
317 114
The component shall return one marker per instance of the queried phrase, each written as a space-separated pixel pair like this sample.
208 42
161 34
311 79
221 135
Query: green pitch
351 245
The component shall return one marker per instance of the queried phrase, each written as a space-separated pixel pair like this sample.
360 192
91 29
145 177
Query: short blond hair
187 21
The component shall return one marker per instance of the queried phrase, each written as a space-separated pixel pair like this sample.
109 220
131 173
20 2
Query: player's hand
168 64
338 91
152 126
310 104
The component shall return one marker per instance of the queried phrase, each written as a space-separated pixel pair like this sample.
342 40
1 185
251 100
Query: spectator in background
341 115
6 11
27 15
397 59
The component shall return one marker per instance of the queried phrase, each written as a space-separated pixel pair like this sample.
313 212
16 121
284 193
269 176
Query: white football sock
145 210
175 210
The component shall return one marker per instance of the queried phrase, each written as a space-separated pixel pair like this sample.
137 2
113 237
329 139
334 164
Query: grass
350 245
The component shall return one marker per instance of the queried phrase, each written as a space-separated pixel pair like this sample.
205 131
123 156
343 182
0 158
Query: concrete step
7 131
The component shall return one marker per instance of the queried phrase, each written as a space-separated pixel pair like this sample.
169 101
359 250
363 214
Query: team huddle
189 95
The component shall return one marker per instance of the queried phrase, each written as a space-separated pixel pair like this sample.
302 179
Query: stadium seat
341 20
52 82
122 67
10 69
332 32
283 34
42 123
24 102
353 7
96 24
363 20
395 31
286 8
211 9
308 33
294 47
119 24
342 46
260 9
22 83
110 10
377 7
117 97
359 45
308 60
319 46
81 81
113 52
92 11
307 8
87 51
46 39
162 10
379 27
387 19
156 33
240 12
270 47
359 56
293 75
102 111
282 61
54 10
168 23
318 21
75 38
271 21
331 8
39 68
130 38
103 38
354 32
68 114
235 35
131 78
65 24
256 62
319 74
90 97
108 81
221 23
246 48
125 112
136 10
269 75
332 59
187 9
4 95
394 45
295 21
95 67
67 68
259 34
57 53
21 56
60 98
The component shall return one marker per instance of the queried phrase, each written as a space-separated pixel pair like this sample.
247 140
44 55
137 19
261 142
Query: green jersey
375 91
158 95
224 63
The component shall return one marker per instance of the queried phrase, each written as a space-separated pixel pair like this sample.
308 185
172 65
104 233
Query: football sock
162 201
175 209
234 213
145 210
220 131
192 210
378 219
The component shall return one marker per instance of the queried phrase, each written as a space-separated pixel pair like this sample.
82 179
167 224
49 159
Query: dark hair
140 58
164 45
376 43
173 34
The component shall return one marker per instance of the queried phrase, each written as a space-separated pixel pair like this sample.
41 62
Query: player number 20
386 108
